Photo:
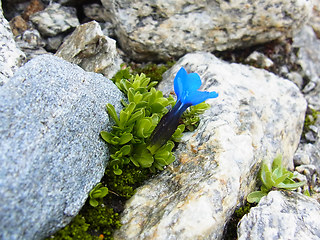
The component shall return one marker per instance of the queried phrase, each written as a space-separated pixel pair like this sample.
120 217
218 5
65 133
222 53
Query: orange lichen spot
184 158
193 149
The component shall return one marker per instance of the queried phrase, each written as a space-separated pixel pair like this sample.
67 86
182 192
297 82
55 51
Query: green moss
102 219
310 119
92 223
77 229
152 70
125 184
230 232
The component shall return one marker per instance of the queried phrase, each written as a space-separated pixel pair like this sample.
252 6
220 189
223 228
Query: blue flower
186 87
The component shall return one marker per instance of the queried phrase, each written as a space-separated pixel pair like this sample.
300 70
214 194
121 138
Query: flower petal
186 88
196 97
179 80
184 82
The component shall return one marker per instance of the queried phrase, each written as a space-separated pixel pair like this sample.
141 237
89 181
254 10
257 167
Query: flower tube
186 87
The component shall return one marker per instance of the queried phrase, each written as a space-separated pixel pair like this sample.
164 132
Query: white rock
55 19
11 57
296 78
309 59
259 59
91 50
282 215
256 116
161 29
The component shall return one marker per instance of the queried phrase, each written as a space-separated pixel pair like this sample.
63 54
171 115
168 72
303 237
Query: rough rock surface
309 152
161 29
256 116
11 57
309 59
91 50
50 151
31 43
55 19
282 215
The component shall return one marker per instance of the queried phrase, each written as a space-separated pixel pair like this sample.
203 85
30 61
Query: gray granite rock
91 50
51 114
282 215
259 60
97 12
309 59
309 152
256 116
315 18
55 19
11 57
31 43
161 29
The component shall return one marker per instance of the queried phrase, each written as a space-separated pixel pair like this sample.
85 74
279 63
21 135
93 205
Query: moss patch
151 70
230 231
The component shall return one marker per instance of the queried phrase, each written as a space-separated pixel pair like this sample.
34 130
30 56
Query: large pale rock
11 57
51 154
256 116
282 215
161 29
91 49
55 19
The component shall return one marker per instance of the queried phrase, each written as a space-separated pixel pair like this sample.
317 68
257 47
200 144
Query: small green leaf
156 107
93 202
266 176
117 171
125 138
291 186
152 84
125 150
112 112
144 127
123 118
280 179
137 97
178 133
277 162
136 116
142 156
131 95
255 197
108 137
306 193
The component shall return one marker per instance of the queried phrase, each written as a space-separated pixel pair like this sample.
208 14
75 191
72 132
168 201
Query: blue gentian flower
186 87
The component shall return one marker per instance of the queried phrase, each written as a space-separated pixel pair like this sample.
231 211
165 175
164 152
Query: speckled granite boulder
11 57
256 116
161 29
90 49
282 215
51 155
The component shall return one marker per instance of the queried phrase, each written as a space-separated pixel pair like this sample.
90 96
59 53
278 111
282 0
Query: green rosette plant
278 178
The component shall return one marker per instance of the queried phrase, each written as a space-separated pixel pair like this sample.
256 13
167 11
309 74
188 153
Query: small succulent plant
145 130
275 179
98 192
